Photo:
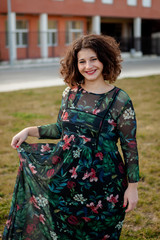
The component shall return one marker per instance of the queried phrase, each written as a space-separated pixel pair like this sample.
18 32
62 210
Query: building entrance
111 29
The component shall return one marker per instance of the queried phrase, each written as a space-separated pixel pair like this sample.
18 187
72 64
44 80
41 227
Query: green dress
74 189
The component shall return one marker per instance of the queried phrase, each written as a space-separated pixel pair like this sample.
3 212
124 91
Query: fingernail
17 146
124 205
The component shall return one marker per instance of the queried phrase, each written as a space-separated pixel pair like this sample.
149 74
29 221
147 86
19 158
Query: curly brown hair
107 51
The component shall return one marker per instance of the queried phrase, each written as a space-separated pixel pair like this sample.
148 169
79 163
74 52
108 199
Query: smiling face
89 65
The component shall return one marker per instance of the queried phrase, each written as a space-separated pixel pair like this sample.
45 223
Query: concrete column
137 27
43 35
12 35
96 24
137 22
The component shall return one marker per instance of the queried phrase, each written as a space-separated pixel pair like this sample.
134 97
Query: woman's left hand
131 197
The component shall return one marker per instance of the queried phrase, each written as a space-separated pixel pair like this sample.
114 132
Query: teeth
91 71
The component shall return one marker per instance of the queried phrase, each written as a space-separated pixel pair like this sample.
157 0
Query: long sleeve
127 126
51 131
54 130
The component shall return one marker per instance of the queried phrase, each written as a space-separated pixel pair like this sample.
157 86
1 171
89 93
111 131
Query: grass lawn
24 108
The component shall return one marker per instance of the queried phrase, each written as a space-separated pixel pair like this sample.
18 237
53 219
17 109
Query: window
107 1
21 33
88 0
52 33
74 30
146 3
132 2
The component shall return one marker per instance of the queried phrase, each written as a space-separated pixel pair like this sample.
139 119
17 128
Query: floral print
32 168
129 113
42 202
112 199
53 235
93 207
92 176
74 189
45 148
79 198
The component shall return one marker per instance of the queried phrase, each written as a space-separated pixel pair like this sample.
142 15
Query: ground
24 108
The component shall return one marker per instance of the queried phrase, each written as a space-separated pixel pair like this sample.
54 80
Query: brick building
43 28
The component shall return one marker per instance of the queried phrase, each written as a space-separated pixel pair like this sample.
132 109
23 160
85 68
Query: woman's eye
94 59
82 62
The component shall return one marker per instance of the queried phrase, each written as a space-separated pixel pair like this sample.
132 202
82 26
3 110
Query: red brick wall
80 8
3 48
33 49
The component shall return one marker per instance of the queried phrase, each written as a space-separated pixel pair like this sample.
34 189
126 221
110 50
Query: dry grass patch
20 109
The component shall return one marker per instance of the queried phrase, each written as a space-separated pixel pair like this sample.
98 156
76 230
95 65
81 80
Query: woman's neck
97 87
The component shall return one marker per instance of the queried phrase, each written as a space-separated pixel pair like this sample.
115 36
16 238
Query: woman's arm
49 131
22 136
127 132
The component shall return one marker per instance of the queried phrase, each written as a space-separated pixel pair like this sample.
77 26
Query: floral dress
74 189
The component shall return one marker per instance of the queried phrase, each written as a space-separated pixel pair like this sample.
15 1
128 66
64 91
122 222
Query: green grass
24 108
27 116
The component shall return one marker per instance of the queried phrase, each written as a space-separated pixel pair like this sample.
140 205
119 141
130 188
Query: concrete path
37 75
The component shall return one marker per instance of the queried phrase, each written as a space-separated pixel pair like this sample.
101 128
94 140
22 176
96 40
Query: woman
79 188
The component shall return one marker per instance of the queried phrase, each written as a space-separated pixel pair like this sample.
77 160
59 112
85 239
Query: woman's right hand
19 138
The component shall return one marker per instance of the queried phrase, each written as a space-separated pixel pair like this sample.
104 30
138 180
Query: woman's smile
90 72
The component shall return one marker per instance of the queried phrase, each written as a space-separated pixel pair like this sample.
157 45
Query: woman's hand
131 197
19 138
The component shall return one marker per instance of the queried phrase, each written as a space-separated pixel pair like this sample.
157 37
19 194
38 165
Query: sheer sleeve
127 126
54 130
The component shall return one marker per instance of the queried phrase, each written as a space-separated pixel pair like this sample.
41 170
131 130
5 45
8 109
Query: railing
146 45
27 45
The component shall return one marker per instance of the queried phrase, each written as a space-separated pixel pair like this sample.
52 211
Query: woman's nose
88 64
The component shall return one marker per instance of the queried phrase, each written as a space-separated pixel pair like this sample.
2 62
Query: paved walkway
27 75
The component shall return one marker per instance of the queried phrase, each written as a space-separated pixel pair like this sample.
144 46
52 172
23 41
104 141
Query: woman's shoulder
69 93
123 95
123 101
68 90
